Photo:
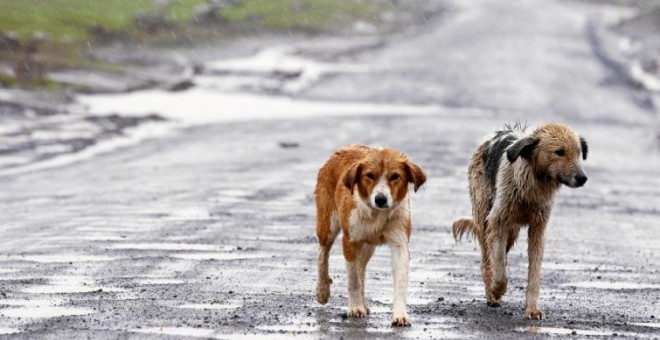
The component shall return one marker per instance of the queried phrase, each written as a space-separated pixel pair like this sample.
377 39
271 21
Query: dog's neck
371 225
533 187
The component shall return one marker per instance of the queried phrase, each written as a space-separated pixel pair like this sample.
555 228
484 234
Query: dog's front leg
400 260
535 253
353 252
496 240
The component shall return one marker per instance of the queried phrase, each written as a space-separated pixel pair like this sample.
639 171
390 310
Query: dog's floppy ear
415 175
585 148
352 175
523 148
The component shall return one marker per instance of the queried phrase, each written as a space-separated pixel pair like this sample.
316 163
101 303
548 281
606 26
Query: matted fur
349 187
513 178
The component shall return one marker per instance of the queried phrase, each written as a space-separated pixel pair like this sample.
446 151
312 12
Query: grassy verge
305 15
70 19
72 27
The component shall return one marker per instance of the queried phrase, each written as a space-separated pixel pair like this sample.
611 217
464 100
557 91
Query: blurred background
158 160
55 54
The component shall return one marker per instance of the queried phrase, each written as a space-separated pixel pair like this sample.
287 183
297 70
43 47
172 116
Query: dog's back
482 175
330 174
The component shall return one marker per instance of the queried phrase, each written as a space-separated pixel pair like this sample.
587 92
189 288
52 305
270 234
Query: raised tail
463 226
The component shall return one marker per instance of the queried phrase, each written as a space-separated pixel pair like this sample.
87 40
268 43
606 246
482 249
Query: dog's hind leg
535 253
327 230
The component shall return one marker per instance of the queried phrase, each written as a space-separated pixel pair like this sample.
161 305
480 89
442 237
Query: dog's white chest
366 224
363 226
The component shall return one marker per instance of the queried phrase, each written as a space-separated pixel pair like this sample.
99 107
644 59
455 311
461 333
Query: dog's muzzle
581 178
381 201
574 181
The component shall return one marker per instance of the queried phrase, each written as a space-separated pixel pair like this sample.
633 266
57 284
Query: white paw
534 313
358 312
400 320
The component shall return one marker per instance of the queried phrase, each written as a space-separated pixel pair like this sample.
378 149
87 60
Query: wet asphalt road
210 233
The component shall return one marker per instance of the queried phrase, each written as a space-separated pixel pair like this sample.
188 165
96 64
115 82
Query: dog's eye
370 175
560 152
394 177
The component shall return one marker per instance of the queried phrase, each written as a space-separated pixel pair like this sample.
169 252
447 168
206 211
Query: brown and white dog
513 180
363 192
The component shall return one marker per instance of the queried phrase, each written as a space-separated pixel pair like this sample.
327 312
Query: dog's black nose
581 179
381 200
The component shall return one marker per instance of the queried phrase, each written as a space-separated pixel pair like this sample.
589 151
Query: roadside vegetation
37 36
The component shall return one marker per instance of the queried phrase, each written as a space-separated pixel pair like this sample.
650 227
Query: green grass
69 19
315 15
66 24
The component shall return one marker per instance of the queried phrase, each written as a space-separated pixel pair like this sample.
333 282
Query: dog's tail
464 226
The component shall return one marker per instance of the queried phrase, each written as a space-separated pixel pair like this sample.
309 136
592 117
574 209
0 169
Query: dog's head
382 178
555 152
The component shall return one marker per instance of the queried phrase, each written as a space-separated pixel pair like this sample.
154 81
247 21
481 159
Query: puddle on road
559 331
268 238
612 285
234 192
269 68
578 267
188 214
70 285
160 282
411 300
176 107
63 258
172 246
209 333
68 289
433 276
99 237
288 328
378 309
31 302
44 312
290 227
5 330
431 332
646 324
177 331
210 306
135 227
219 256
39 308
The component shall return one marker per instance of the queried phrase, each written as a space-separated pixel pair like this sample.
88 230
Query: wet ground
206 229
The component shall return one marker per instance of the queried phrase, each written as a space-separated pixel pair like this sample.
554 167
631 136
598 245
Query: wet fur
513 178
343 199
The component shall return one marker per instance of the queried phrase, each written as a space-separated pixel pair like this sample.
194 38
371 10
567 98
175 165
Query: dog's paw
494 304
493 301
367 308
357 312
401 320
323 293
534 314
498 288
